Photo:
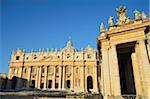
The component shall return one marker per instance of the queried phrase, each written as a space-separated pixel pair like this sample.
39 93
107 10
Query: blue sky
34 24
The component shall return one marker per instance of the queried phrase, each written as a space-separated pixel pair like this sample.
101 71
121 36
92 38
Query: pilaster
105 72
95 80
82 85
136 74
39 77
145 65
115 71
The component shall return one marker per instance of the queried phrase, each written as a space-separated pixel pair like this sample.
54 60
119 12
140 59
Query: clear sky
38 24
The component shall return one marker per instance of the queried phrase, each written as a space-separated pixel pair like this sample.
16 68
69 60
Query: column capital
105 48
140 40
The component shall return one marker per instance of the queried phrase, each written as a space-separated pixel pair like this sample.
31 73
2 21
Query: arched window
89 56
17 57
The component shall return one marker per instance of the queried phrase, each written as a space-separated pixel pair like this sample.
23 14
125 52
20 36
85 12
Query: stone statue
47 49
121 12
42 49
102 29
110 21
144 15
32 50
137 15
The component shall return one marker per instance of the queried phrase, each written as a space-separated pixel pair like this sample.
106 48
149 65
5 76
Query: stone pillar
72 79
45 79
39 78
136 74
53 81
115 71
82 85
95 84
60 76
85 78
64 80
145 66
28 77
105 73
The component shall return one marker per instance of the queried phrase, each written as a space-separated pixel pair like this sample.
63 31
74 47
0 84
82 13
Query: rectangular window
50 84
68 83
17 57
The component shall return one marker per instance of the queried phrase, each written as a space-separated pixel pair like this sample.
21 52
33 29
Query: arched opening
14 82
89 83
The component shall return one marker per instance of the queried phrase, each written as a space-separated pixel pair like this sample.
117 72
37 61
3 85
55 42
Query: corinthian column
45 79
60 76
95 80
63 82
53 82
72 79
28 77
39 77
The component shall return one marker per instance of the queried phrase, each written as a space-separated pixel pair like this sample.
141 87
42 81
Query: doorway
124 52
50 84
89 83
32 84
68 83
13 82
42 85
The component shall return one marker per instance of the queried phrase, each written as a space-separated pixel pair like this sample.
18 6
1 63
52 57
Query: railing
130 97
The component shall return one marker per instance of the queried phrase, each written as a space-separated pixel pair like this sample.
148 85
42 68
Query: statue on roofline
102 29
110 21
143 15
137 15
121 12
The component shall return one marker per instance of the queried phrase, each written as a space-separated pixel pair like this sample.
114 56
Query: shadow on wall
15 84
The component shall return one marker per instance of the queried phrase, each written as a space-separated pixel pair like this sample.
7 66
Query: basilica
118 69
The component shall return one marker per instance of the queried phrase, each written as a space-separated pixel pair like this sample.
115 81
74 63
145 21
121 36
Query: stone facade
67 69
124 56
119 69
